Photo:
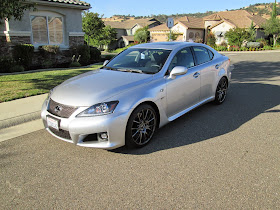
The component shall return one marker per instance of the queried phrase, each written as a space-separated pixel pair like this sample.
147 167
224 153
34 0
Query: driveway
222 157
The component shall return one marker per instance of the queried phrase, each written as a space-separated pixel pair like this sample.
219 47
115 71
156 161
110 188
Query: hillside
262 9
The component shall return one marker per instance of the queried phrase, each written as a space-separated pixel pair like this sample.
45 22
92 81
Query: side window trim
211 54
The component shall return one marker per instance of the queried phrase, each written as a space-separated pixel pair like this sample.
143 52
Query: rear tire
221 91
141 126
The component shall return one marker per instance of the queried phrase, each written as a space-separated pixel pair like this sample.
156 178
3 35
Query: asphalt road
216 157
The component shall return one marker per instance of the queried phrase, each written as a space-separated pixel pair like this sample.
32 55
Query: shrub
236 36
211 39
47 64
23 54
243 49
82 51
52 49
267 47
17 68
75 64
198 40
95 55
6 63
224 44
108 57
253 44
263 42
221 48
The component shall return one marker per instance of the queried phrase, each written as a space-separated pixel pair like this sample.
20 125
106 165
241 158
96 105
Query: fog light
104 136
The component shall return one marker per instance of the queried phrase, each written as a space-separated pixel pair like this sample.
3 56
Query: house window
191 35
47 29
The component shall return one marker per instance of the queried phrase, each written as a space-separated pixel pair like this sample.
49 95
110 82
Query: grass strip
30 84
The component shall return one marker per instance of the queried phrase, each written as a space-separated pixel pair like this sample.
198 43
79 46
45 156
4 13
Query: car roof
166 45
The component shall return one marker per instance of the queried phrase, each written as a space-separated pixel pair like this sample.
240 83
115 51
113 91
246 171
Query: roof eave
73 6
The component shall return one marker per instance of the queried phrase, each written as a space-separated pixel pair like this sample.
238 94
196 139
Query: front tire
141 126
221 91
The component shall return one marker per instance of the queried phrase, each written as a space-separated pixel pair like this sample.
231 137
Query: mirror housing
105 62
178 70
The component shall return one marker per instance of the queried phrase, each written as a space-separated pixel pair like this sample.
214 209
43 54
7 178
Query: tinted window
201 54
183 58
146 60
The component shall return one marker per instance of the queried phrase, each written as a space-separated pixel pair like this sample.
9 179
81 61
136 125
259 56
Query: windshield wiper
132 70
110 68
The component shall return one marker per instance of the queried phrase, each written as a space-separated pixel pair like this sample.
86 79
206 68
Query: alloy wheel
143 126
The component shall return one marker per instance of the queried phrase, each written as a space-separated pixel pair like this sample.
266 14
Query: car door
207 69
184 90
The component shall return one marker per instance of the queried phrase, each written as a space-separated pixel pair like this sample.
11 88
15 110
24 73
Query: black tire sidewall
128 135
216 94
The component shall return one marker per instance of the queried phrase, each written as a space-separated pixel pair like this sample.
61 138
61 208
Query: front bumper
85 131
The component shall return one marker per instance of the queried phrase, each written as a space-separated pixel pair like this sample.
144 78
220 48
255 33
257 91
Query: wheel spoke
143 126
135 133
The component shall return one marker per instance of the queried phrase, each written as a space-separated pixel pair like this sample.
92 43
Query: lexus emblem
58 108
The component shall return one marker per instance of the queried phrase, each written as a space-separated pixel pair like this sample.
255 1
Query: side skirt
190 108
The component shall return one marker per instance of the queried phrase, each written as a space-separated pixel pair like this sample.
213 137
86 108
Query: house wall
222 28
209 23
199 32
159 36
178 28
134 29
120 32
20 31
128 32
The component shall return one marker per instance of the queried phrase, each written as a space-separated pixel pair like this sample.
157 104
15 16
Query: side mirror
105 62
178 70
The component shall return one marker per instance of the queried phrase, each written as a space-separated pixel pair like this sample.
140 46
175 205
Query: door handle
217 66
196 75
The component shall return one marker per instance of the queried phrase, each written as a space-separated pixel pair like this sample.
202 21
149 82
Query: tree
274 12
236 36
14 8
96 33
172 36
142 35
108 35
252 32
272 26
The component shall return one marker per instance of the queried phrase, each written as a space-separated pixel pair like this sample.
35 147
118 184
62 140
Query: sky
109 8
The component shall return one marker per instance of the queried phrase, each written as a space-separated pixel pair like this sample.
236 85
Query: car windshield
149 61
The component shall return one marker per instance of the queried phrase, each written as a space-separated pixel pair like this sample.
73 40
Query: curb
10 122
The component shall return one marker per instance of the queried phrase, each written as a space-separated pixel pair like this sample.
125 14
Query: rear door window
201 54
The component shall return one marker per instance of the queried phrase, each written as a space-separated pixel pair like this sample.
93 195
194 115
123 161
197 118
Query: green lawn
30 84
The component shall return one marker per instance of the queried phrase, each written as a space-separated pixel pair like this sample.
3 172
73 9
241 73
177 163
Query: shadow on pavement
247 98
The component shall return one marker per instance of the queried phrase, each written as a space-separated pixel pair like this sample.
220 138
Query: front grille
60 110
61 133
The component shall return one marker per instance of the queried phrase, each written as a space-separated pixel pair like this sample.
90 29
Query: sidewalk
20 116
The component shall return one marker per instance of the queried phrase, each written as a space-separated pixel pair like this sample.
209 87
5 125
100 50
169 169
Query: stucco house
221 22
186 28
126 29
53 22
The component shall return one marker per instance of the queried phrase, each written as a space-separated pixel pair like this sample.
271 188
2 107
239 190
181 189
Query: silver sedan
137 92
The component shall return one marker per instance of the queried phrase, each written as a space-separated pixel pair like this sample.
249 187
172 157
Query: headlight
99 109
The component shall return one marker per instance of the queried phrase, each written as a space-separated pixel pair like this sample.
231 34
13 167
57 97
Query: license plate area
53 123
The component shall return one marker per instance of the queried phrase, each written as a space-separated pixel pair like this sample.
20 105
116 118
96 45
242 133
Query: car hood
96 86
